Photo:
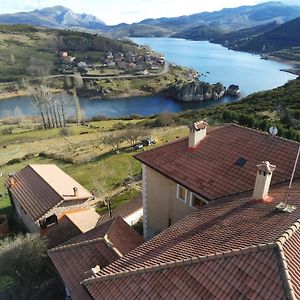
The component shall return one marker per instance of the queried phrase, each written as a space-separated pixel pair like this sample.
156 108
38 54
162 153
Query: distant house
42 194
82 64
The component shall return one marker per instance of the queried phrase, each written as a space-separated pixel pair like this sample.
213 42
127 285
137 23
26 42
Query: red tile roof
250 274
211 169
75 259
224 228
61 232
123 237
37 195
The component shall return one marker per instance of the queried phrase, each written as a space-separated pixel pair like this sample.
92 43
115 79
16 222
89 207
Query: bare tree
114 140
77 106
39 68
133 136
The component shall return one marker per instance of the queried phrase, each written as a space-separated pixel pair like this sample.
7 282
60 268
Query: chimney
95 270
197 133
263 180
11 180
75 191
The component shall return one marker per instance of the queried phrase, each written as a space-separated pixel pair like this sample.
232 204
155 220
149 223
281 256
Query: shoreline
294 63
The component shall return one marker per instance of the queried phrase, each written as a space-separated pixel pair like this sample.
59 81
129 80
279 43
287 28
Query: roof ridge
287 280
263 132
182 262
60 196
81 243
288 233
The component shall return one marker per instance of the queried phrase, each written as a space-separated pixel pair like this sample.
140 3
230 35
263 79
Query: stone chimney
11 180
75 191
263 180
197 133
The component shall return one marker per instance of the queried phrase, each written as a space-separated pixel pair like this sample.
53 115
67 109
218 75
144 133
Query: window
48 221
181 193
196 201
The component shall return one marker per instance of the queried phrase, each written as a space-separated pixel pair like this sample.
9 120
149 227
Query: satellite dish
273 130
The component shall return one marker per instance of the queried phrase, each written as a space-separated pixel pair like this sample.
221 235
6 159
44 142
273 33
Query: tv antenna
273 130
284 206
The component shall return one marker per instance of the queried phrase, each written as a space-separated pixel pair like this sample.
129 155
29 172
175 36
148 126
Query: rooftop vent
197 133
75 189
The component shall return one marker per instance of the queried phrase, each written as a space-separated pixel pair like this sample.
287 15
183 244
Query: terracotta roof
61 182
75 259
84 219
253 273
123 237
70 225
224 228
212 169
124 210
38 188
63 231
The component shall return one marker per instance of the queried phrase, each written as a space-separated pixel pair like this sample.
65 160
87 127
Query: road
163 72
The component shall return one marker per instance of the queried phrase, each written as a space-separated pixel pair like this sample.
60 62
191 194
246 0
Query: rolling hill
227 19
55 17
280 37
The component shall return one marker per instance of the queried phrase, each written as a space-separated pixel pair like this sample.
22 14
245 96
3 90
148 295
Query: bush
23 263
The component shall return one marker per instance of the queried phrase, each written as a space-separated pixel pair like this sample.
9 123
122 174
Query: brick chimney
197 133
263 180
11 180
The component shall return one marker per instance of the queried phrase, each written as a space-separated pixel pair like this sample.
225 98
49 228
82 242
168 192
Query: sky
129 11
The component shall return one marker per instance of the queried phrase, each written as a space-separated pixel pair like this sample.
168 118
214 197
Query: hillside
56 16
281 37
227 19
200 33
19 44
278 107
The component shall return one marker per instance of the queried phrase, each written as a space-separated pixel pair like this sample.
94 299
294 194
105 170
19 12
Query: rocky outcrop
195 91
233 91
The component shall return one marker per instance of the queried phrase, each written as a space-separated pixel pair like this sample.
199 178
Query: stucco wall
21 214
162 207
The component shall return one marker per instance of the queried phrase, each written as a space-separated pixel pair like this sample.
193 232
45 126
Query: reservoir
214 62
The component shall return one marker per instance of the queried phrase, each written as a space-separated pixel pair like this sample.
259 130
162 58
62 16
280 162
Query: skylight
240 162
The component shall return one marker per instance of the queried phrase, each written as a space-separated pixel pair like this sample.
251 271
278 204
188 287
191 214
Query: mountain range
54 17
225 20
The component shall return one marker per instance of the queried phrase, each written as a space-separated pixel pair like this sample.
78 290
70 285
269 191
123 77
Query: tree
52 107
133 136
77 106
114 140
39 68
23 263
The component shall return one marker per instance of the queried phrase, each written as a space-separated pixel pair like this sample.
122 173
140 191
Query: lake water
216 63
